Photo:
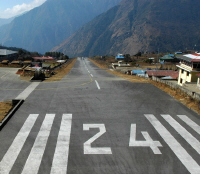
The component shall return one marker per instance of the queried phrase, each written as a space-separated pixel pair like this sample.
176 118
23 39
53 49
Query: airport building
189 68
7 54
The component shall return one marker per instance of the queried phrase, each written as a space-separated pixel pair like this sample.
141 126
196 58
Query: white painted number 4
147 143
87 145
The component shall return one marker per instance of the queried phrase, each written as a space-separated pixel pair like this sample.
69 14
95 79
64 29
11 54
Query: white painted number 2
148 143
87 145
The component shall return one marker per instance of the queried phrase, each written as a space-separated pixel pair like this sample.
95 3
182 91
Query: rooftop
163 73
43 58
195 57
5 52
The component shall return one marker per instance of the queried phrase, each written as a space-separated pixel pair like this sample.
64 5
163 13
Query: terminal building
189 68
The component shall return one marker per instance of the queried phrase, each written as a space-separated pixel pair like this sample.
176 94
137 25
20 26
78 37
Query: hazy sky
10 8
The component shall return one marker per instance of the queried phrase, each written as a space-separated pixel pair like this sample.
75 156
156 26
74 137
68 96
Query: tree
21 52
139 54
57 55
127 58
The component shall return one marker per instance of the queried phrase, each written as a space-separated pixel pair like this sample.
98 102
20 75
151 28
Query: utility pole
157 65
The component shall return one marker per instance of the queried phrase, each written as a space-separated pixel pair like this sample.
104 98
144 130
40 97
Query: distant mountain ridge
48 25
5 21
138 25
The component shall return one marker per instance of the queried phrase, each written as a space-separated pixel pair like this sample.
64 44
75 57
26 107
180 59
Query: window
181 80
188 73
182 71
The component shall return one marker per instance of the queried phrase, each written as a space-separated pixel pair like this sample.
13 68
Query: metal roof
5 52
167 57
43 58
190 57
138 71
119 57
163 73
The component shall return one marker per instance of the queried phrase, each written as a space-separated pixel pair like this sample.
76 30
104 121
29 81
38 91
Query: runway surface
92 122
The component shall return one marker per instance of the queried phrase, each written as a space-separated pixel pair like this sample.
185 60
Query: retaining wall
181 88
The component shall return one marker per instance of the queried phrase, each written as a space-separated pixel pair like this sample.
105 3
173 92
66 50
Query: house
163 74
135 72
189 68
178 52
15 64
27 62
119 64
169 58
119 57
8 54
5 62
43 59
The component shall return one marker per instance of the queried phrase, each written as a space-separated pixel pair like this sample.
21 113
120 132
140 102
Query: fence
181 88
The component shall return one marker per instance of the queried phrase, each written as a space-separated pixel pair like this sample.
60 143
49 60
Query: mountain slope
48 25
5 21
138 25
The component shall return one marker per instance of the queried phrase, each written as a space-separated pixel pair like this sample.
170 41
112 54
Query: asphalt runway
92 122
10 84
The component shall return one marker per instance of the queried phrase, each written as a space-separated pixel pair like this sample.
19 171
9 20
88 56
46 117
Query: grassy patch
5 107
62 71
100 63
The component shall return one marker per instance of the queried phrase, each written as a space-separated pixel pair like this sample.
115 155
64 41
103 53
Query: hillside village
180 70
33 65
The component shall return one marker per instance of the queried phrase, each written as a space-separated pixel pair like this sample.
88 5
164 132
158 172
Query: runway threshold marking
23 95
4 75
60 160
183 132
191 165
97 84
35 157
190 123
16 146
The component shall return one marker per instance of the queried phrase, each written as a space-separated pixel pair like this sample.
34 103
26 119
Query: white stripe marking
175 146
4 75
183 132
33 162
89 71
15 148
91 75
97 85
60 159
190 123
28 91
